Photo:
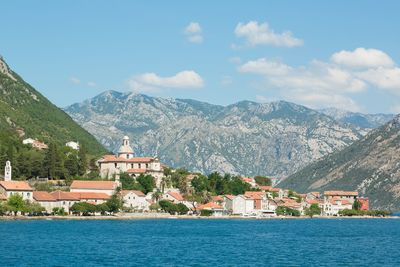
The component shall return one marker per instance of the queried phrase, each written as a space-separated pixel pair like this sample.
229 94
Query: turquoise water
316 242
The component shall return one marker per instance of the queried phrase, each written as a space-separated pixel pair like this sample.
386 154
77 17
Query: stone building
126 162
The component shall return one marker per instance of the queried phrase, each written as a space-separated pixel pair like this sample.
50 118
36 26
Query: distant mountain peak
246 138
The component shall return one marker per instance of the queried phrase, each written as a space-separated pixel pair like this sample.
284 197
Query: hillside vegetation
26 112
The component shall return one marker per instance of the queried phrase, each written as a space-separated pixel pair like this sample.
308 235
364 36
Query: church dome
125 148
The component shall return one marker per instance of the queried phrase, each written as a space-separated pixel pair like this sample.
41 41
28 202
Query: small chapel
126 162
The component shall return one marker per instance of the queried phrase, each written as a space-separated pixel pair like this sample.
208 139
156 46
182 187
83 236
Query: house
268 207
332 206
351 196
65 200
242 205
272 191
46 200
91 197
176 198
228 202
73 145
251 181
364 203
106 187
216 208
257 197
135 199
35 143
313 195
126 162
22 188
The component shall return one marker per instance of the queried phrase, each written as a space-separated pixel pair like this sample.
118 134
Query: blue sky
342 53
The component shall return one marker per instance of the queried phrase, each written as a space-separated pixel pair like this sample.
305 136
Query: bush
375 213
287 211
182 209
206 213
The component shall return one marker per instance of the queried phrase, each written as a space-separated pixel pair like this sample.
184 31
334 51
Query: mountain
245 138
361 120
24 111
370 166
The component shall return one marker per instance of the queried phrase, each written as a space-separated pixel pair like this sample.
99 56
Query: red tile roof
61 195
209 206
90 195
16 186
176 195
269 188
112 158
254 195
136 171
247 180
141 160
43 196
217 199
313 201
97 185
341 193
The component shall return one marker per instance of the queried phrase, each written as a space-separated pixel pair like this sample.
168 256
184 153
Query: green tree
182 209
147 183
16 203
314 209
263 180
115 203
168 206
357 205
82 164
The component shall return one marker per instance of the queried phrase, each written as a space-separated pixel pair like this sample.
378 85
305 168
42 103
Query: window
140 166
115 165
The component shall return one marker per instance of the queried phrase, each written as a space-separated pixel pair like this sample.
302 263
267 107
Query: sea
201 242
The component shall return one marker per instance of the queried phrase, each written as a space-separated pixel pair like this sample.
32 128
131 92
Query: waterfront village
256 197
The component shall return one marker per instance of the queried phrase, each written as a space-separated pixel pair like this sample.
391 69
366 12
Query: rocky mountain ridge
371 166
245 138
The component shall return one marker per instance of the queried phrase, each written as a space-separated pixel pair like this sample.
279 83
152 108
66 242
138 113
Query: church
125 161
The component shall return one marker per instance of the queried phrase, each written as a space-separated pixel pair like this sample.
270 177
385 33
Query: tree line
56 162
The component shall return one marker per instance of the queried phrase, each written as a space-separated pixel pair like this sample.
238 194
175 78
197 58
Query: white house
242 205
46 200
176 197
135 199
22 188
64 199
106 187
332 206
73 145
28 141
126 162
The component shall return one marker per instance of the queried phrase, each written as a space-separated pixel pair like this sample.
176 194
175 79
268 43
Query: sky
342 54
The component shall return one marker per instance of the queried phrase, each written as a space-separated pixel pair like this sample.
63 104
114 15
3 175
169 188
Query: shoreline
159 216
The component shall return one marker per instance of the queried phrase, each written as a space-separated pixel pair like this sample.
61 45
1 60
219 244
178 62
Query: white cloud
262 34
321 84
193 28
151 82
264 66
75 80
384 78
362 58
193 33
